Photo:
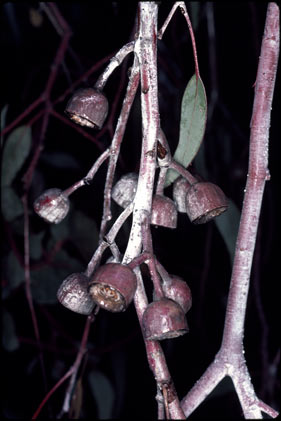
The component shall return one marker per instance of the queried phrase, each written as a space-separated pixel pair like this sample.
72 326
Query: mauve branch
71 372
230 358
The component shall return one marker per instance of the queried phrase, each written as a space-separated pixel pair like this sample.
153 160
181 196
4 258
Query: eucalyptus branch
230 358
114 62
90 175
146 51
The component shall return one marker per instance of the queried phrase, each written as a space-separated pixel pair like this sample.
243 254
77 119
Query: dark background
228 66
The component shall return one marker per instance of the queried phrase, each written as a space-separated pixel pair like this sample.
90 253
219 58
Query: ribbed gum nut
176 289
204 201
164 212
180 189
113 286
52 206
87 107
163 319
125 189
73 294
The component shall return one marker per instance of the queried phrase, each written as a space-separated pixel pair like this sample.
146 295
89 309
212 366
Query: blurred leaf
13 274
103 393
76 401
194 8
84 233
60 160
3 119
35 241
228 225
192 125
47 280
16 150
59 231
11 204
9 338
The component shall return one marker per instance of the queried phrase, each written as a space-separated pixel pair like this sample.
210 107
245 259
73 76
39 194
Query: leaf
103 393
47 280
3 119
10 341
13 275
76 401
16 150
84 233
60 160
192 125
11 204
35 241
228 225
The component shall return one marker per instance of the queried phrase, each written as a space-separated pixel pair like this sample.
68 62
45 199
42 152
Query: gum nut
125 189
52 206
113 286
204 201
164 212
177 290
73 294
163 319
87 107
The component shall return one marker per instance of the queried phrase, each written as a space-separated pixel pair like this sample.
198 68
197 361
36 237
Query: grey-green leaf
10 341
3 119
103 393
13 274
228 225
192 125
16 150
11 204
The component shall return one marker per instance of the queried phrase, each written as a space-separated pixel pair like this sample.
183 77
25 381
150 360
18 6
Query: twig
230 358
28 288
182 7
72 371
116 144
89 177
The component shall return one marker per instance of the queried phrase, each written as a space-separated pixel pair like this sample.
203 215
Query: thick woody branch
230 359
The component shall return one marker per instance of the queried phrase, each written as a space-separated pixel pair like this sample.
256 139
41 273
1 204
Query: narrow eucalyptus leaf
103 393
10 341
11 204
228 225
35 244
13 275
84 233
47 280
3 119
16 150
192 125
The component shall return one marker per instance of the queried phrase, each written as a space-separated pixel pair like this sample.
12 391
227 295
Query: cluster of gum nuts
112 286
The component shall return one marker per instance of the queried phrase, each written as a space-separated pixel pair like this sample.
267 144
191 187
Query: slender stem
114 62
116 144
182 7
183 172
109 239
148 247
89 177
28 287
